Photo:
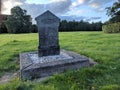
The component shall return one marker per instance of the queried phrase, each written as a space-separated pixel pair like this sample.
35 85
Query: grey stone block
32 70
48 25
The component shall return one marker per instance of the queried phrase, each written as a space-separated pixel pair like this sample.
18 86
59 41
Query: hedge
111 28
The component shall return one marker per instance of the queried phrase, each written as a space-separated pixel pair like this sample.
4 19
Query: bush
111 28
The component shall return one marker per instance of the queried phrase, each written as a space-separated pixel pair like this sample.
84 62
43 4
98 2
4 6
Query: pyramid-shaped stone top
47 18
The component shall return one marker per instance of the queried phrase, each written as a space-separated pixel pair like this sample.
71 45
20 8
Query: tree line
80 26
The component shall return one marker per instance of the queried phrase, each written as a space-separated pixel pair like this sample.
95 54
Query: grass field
103 48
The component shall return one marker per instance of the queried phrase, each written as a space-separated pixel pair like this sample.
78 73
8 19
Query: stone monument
49 59
48 25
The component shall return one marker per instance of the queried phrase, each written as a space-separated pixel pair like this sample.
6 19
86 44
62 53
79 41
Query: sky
87 10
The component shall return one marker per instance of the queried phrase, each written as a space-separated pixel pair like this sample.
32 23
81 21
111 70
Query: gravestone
48 25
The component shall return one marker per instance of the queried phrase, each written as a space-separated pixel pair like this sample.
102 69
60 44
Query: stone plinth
48 25
32 66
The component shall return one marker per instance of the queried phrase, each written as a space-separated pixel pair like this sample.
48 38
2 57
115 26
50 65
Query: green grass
103 48
10 47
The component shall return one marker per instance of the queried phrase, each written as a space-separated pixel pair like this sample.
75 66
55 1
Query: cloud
58 7
79 18
77 3
95 5
88 19
8 4
57 0
72 8
98 4
72 17
99 1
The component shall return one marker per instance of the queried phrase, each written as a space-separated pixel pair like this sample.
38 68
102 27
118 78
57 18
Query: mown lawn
103 48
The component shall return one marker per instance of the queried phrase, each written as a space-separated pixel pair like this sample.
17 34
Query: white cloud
8 4
77 3
57 0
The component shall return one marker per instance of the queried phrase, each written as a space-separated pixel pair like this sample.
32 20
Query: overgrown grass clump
103 48
111 87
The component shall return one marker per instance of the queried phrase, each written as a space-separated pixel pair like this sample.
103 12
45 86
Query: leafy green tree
114 12
18 21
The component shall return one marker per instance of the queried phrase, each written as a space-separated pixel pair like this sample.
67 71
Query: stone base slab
30 70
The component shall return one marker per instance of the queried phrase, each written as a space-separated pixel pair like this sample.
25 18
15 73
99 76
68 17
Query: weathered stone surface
30 70
48 25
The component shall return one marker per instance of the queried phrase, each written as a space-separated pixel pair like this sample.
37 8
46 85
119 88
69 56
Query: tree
3 28
18 21
114 12
34 28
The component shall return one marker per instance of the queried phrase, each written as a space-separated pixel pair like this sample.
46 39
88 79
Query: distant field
103 48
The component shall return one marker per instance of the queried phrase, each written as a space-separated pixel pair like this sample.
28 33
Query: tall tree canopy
114 12
18 21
